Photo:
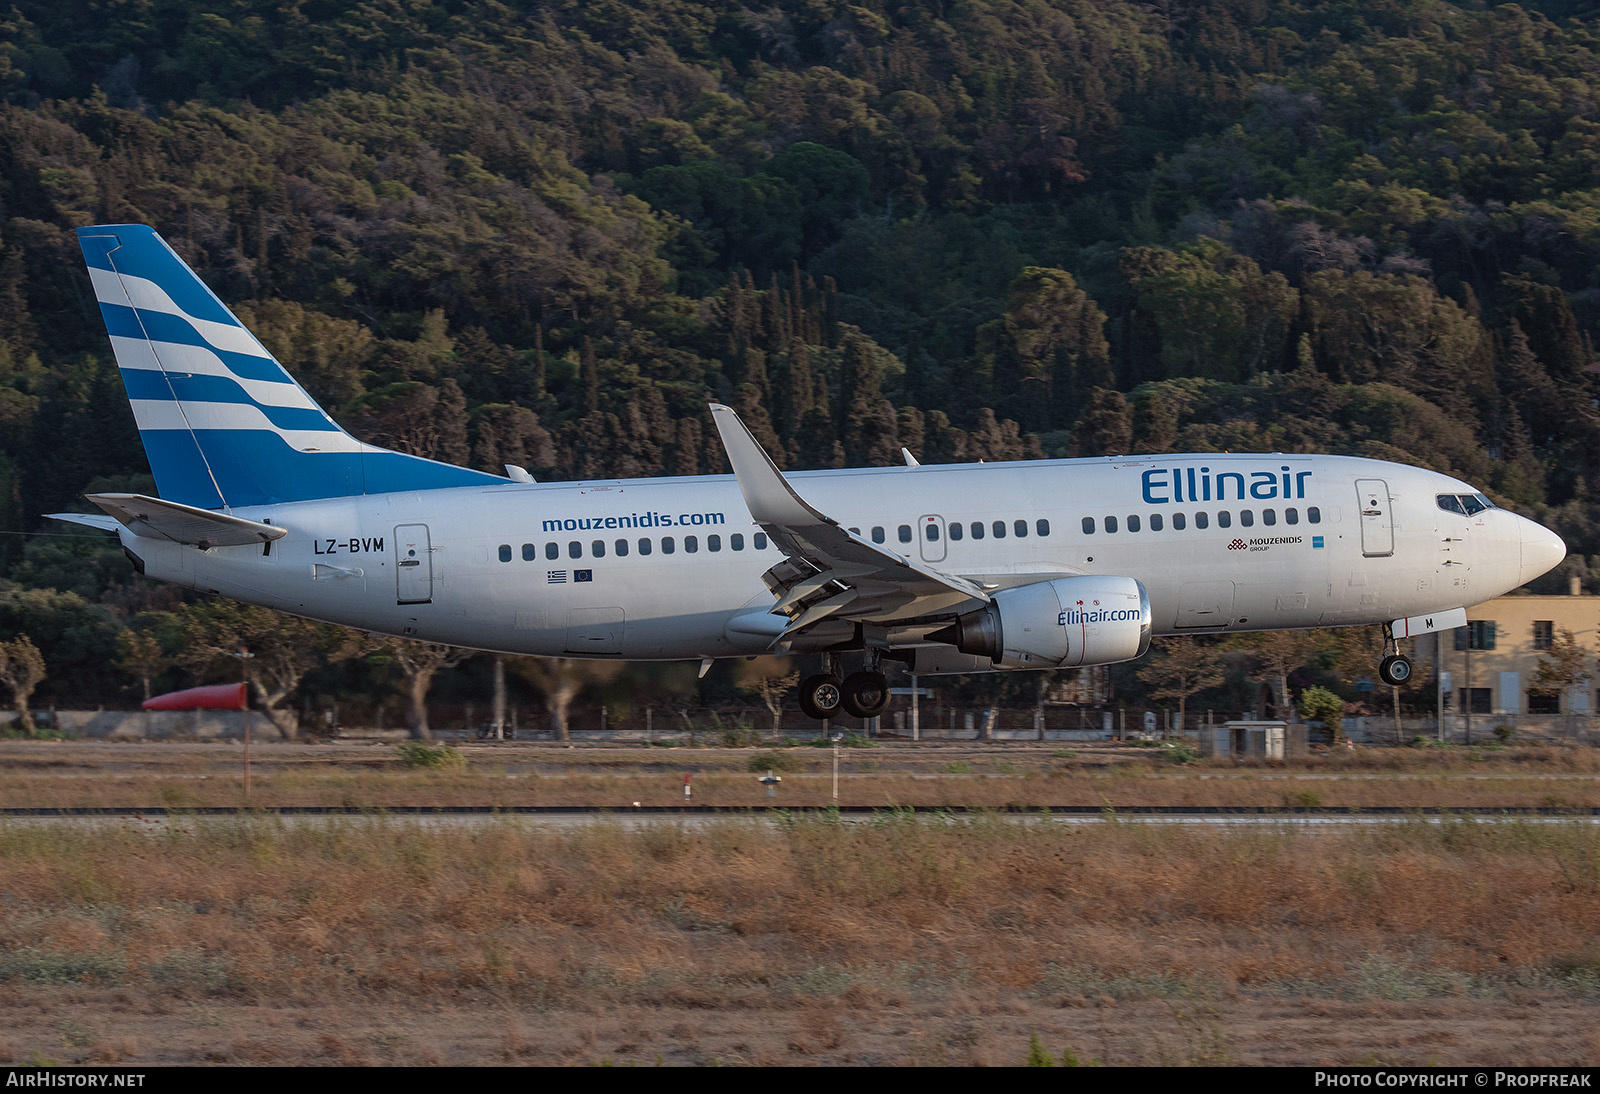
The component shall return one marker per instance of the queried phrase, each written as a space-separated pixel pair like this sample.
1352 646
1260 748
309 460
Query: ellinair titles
945 569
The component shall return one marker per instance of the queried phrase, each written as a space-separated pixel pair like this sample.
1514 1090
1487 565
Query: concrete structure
1259 740
1490 666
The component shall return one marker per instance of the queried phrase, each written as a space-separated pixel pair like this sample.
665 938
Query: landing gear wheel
821 696
1395 671
866 694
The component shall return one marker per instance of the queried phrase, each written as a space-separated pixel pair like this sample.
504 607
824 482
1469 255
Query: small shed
1258 740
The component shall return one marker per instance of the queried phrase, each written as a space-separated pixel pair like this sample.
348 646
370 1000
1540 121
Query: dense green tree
1049 349
1217 314
22 667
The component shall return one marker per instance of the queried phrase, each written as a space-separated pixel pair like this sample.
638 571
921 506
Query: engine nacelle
1065 623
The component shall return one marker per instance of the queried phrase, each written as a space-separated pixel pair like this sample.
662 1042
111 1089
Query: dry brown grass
899 940
801 942
35 774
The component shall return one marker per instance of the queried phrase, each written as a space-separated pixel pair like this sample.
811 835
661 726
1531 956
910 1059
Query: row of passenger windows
1180 521
621 547
976 529
930 531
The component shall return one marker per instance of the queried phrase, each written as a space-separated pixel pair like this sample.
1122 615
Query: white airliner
951 569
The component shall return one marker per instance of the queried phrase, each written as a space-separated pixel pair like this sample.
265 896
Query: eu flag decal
582 575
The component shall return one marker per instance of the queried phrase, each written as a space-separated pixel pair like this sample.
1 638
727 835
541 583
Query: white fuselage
473 566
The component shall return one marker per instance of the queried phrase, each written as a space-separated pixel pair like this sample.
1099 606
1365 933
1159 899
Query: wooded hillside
548 233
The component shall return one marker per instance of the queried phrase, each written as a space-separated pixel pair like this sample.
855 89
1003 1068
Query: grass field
373 775
896 940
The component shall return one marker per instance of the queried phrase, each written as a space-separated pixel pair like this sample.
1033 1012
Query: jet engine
1064 623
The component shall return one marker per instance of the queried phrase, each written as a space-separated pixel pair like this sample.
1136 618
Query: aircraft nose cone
1542 550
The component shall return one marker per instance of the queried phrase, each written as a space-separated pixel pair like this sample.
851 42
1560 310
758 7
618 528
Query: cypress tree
588 380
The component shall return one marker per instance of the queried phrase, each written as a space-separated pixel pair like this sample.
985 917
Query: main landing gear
1395 669
821 696
866 693
861 694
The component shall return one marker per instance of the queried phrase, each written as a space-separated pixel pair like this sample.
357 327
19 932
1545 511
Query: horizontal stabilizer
88 520
157 519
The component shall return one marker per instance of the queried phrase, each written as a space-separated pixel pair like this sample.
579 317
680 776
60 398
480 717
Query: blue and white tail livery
223 424
955 569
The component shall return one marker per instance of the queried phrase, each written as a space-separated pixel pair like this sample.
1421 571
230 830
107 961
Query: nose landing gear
1395 669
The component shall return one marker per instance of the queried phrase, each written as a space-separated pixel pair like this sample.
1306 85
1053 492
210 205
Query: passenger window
1133 522
713 543
1247 518
1041 526
599 548
855 531
644 546
1088 526
1179 522
575 549
505 552
1224 519
877 534
736 541
904 531
1155 522
931 531
1201 520
1269 517
691 545
955 529
552 551
1111 525
1019 528
529 552
622 548
760 541
999 529
1291 516
1313 515
668 545
976 528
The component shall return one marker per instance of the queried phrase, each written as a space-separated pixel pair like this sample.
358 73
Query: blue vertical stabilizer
223 423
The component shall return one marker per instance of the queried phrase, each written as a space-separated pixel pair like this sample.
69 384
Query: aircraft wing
830 572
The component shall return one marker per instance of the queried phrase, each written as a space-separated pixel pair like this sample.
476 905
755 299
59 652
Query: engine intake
1065 623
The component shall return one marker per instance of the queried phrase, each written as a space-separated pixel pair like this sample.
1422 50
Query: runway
559 817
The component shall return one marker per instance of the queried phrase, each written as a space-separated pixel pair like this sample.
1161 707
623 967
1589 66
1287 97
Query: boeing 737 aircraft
953 569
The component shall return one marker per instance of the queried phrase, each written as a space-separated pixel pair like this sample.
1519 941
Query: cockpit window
1465 504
